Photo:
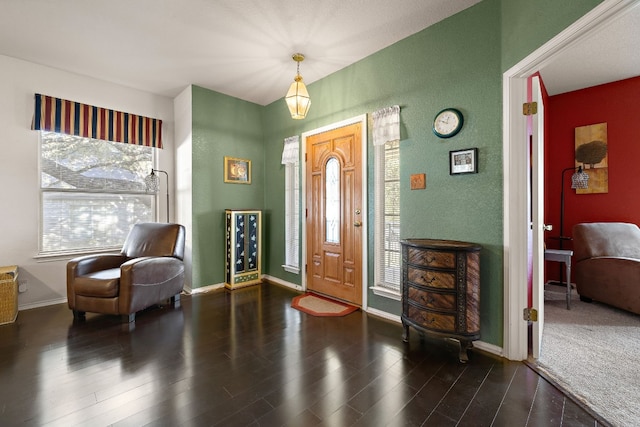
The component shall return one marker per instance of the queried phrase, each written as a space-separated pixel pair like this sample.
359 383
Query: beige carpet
593 350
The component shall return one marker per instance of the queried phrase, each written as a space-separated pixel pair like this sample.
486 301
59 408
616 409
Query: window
332 201
290 159
92 192
387 220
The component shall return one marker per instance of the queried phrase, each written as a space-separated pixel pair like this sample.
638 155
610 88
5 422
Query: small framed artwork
463 161
237 171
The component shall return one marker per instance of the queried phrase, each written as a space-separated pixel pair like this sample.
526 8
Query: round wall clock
447 123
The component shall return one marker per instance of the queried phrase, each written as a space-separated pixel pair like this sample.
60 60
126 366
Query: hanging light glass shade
297 97
580 179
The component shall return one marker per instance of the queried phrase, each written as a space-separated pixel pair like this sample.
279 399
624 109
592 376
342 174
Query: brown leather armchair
607 263
148 270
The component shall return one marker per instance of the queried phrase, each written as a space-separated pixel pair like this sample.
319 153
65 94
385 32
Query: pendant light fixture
297 97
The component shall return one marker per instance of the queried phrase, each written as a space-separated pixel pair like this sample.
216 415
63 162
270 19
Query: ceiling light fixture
297 97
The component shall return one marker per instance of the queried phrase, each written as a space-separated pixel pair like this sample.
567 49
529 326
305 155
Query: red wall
617 104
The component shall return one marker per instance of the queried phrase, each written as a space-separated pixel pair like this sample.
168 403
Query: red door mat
317 305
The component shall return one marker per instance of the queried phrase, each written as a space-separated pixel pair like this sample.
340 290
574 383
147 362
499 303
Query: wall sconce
297 97
152 183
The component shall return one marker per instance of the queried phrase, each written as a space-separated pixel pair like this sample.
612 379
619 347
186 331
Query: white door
537 214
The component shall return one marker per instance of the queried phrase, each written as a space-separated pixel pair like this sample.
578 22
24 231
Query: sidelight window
387 220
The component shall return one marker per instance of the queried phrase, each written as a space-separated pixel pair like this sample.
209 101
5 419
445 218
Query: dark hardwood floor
247 358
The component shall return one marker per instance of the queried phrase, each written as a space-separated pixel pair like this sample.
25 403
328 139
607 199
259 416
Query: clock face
447 123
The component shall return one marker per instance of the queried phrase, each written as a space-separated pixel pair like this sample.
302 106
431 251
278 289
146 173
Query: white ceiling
610 53
243 48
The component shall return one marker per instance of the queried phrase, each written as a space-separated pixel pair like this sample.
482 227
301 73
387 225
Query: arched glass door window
332 201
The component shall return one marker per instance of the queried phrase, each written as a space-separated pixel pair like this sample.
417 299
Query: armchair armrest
83 265
148 280
612 280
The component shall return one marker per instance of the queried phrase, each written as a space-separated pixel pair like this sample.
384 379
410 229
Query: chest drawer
434 279
433 321
432 299
430 258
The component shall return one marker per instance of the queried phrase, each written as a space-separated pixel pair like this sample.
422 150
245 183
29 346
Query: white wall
19 196
183 113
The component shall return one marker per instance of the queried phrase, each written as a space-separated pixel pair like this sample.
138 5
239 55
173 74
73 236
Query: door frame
516 169
362 119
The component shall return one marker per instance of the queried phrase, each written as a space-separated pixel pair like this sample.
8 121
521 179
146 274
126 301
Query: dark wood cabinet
441 290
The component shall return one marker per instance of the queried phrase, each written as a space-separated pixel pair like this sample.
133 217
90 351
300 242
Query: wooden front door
334 213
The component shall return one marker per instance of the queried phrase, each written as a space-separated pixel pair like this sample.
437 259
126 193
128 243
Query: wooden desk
562 255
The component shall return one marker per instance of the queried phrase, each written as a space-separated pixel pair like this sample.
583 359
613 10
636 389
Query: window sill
386 293
61 256
290 269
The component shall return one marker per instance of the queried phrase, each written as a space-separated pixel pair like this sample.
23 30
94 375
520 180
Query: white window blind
92 192
387 220
291 162
387 254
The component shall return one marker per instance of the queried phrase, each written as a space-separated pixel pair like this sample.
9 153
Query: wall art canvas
592 153
237 171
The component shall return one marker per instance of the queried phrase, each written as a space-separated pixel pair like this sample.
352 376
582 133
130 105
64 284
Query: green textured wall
527 25
456 63
222 126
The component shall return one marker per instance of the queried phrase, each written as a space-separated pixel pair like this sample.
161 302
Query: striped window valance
73 118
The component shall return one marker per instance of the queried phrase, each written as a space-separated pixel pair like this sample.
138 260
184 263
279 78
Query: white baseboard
265 277
203 289
379 313
481 345
55 301
277 281
489 348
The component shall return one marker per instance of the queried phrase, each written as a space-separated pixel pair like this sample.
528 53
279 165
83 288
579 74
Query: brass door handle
357 224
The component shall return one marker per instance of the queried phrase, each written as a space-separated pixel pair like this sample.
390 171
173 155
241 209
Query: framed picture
463 161
237 171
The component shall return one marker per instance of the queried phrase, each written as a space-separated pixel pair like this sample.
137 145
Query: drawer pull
430 260
429 300
429 281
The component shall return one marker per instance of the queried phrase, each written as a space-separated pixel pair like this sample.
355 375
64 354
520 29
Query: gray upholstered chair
148 270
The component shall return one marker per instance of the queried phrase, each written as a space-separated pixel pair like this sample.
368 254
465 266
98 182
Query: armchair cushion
102 284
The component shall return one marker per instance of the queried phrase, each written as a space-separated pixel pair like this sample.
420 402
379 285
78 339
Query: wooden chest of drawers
441 290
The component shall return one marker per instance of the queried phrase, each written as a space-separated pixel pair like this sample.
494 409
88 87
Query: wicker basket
8 294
